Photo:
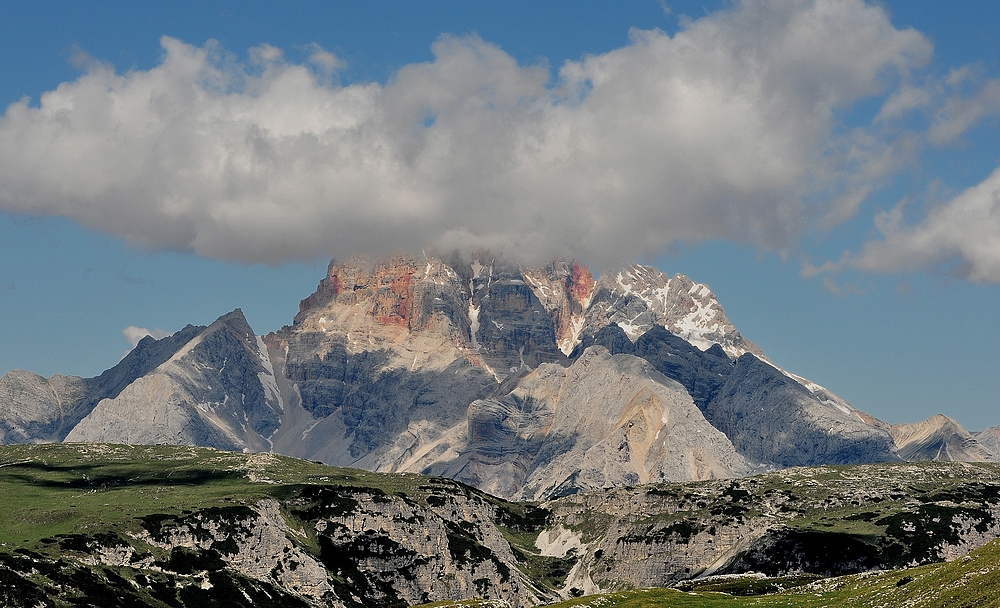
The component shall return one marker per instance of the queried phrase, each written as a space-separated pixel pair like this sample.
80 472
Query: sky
830 169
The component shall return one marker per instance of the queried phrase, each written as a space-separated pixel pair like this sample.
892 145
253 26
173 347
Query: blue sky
827 168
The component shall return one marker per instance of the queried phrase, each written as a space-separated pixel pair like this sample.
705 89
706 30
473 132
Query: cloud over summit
726 130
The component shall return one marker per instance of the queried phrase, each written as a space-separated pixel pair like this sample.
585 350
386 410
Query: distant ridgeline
114 525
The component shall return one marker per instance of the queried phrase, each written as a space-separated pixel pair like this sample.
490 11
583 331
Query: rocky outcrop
803 520
776 421
264 530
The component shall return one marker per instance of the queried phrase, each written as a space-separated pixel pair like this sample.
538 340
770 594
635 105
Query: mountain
527 382
218 389
938 438
122 526
990 440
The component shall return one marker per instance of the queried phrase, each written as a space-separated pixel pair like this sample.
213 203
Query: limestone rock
937 438
989 439
638 297
218 390
33 408
606 421
776 421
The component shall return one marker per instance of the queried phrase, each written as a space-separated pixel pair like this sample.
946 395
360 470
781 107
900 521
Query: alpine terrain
525 382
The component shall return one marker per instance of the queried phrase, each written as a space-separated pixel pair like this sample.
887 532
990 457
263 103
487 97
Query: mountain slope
773 419
990 440
217 390
937 438
605 421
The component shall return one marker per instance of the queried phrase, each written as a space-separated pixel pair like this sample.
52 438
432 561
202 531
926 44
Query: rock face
525 381
639 298
33 408
775 420
937 438
990 440
217 390
605 421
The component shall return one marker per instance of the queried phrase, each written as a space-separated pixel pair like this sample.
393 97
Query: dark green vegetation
167 526
969 582
97 525
826 521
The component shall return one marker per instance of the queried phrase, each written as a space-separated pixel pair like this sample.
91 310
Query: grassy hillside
49 490
90 525
168 526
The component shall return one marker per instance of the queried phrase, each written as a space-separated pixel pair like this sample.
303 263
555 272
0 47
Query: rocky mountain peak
212 386
526 381
937 438
638 297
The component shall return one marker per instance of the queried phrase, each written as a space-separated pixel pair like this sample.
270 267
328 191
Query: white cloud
962 113
963 233
718 132
133 334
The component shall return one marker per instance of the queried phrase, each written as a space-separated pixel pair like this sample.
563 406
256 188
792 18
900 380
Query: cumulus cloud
962 235
718 132
133 334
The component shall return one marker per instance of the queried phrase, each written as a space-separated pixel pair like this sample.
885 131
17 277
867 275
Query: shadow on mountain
378 402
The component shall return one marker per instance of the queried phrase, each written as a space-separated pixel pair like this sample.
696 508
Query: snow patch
266 378
558 541
632 331
576 323
473 324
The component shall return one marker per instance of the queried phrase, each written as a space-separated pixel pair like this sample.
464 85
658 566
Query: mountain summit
527 382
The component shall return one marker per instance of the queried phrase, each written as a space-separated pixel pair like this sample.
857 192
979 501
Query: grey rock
938 438
774 420
35 409
989 439
638 297
606 421
217 390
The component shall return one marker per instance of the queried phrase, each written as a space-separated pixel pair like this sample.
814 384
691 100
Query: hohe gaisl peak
526 382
